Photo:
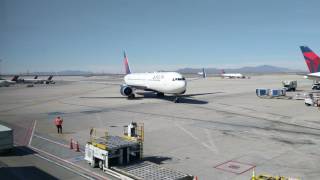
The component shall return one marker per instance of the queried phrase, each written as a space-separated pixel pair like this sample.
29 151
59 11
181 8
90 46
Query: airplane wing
194 79
106 97
199 94
140 87
119 84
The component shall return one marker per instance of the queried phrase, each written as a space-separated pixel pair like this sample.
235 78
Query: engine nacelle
126 90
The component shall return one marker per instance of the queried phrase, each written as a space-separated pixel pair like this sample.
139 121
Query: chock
77 147
71 144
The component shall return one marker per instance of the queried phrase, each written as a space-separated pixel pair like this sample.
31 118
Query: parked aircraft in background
6 83
232 75
203 73
35 80
49 80
313 63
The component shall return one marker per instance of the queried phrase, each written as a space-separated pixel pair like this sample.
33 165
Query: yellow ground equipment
135 132
268 177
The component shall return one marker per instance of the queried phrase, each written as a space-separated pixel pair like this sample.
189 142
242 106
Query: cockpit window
178 79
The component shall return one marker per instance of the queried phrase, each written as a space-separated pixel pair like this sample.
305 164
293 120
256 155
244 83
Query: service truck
121 157
290 85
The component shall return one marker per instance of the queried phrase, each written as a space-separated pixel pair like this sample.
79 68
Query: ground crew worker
58 122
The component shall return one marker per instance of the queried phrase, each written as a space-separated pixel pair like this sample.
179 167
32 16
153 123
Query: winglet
126 63
311 58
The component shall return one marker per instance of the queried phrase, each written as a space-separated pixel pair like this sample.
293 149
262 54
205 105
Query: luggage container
277 92
6 139
262 92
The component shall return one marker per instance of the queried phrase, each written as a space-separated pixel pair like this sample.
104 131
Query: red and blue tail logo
126 63
312 59
15 78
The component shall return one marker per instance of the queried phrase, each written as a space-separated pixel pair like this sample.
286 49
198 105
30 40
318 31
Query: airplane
313 62
49 80
35 80
160 82
203 73
6 83
232 75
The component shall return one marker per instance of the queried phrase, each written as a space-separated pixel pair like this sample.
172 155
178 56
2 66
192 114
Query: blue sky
54 35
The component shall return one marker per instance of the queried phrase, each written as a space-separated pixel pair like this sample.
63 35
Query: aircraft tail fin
50 78
204 74
311 58
126 63
15 78
36 77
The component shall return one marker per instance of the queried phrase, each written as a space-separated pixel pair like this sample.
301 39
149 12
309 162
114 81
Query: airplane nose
184 83
183 86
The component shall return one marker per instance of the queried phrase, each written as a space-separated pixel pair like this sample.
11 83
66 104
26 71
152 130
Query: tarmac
221 134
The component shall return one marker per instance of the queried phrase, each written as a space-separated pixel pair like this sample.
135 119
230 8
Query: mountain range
251 69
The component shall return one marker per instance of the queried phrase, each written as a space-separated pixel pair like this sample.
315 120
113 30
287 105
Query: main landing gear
131 96
160 94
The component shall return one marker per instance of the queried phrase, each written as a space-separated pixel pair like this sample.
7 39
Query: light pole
0 67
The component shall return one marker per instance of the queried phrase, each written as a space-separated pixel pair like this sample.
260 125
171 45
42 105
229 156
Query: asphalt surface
221 134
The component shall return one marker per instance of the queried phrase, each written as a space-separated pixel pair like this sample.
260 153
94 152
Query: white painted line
114 174
39 150
63 166
187 132
68 162
55 142
211 148
52 141
34 127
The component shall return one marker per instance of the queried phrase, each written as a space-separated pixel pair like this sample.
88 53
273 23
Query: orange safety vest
58 121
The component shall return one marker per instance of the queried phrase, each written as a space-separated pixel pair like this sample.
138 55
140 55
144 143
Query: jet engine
126 90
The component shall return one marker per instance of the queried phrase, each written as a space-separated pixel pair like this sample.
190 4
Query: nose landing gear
176 99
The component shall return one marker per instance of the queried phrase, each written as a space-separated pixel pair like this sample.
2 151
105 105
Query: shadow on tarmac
185 98
17 151
156 159
25 172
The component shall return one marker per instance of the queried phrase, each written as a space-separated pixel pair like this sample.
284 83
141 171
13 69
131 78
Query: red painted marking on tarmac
234 166
22 132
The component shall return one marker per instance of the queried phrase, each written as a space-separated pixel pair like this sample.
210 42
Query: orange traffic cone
77 147
71 144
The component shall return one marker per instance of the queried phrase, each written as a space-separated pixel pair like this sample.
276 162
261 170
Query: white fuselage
232 75
36 81
164 82
4 82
